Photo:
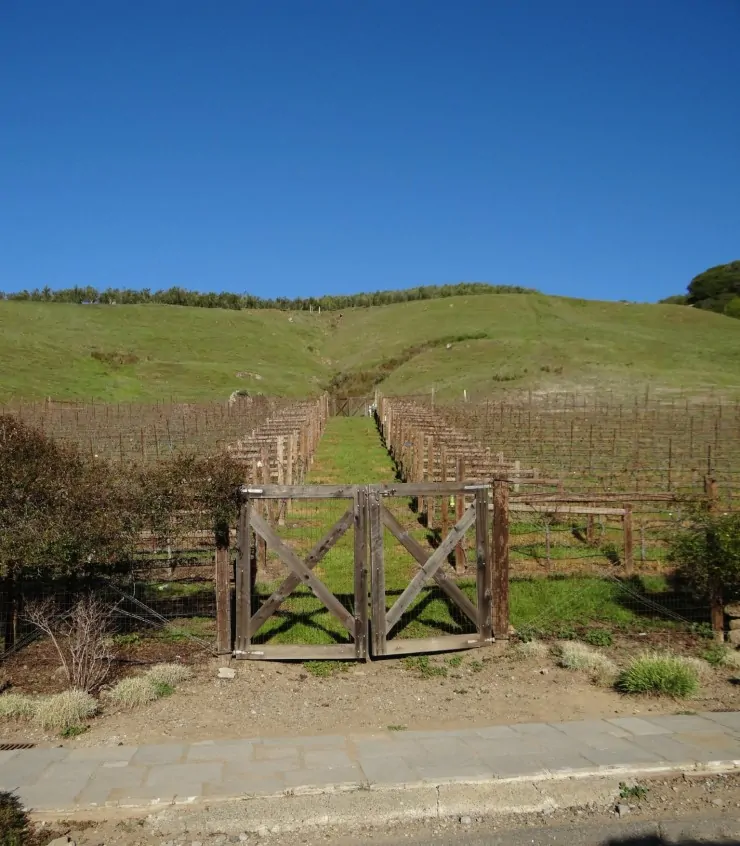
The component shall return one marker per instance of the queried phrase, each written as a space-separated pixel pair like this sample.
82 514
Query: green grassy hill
482 343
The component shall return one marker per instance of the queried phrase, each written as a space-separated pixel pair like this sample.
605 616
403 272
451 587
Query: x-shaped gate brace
365 510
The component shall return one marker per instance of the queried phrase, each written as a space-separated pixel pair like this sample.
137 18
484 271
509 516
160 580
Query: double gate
354 572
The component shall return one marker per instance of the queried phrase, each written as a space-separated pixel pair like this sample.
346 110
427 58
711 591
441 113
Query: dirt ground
271 699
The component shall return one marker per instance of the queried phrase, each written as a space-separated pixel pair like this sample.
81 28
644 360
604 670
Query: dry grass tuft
531 649
65 710
731 659
171 674
574 655
702 668
16 706
133 692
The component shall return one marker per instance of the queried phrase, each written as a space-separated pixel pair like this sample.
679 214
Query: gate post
361 597
378 574
483 569
224 643
243 579
500 580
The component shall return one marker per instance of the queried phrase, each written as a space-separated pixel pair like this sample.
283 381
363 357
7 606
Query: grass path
351 453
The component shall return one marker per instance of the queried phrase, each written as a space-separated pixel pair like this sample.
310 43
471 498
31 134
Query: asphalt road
685 832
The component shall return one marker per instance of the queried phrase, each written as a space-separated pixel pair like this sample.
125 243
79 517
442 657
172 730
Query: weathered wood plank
628 543
446 643
555 508
288 557
298 491
433 563
309 652
422 556
276 599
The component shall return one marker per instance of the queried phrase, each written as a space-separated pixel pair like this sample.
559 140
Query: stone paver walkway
72 779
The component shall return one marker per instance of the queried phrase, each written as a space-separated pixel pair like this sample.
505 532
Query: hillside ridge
483 343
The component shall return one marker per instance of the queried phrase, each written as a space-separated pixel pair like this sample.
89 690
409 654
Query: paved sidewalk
59 779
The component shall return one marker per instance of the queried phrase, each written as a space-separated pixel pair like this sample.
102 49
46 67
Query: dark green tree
716 287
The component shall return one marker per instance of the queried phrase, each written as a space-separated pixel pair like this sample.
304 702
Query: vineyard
582 494
596 486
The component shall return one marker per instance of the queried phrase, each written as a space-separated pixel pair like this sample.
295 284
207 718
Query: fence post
500 577
223 590
484 568
716 600
628 545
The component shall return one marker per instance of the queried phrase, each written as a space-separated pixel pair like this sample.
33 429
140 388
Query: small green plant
163 689
129 639
15 826
73 731
396 728
632 791
702 630
719 655
658 673
324 669
475 666
566 633
424 667
599 637
63 710
455 661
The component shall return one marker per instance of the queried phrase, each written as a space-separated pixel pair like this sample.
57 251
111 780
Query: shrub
707 556
658 673
64 710
16 706
531 649
15 827
578 656
80 639
171 674
133 692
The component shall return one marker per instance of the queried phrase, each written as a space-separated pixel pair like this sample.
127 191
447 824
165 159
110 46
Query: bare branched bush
81 639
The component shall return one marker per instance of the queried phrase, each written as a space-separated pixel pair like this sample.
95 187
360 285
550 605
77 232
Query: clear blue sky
586 148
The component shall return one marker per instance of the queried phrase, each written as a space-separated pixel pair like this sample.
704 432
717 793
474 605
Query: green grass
506 341
656 673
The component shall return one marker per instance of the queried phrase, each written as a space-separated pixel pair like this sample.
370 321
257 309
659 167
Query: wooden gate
467 597
414 567
258 536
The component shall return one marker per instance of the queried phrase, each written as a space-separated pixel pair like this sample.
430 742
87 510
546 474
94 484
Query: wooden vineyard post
281 476
223 591
500 577
445 508
716 600
459 510
430 477
628 545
